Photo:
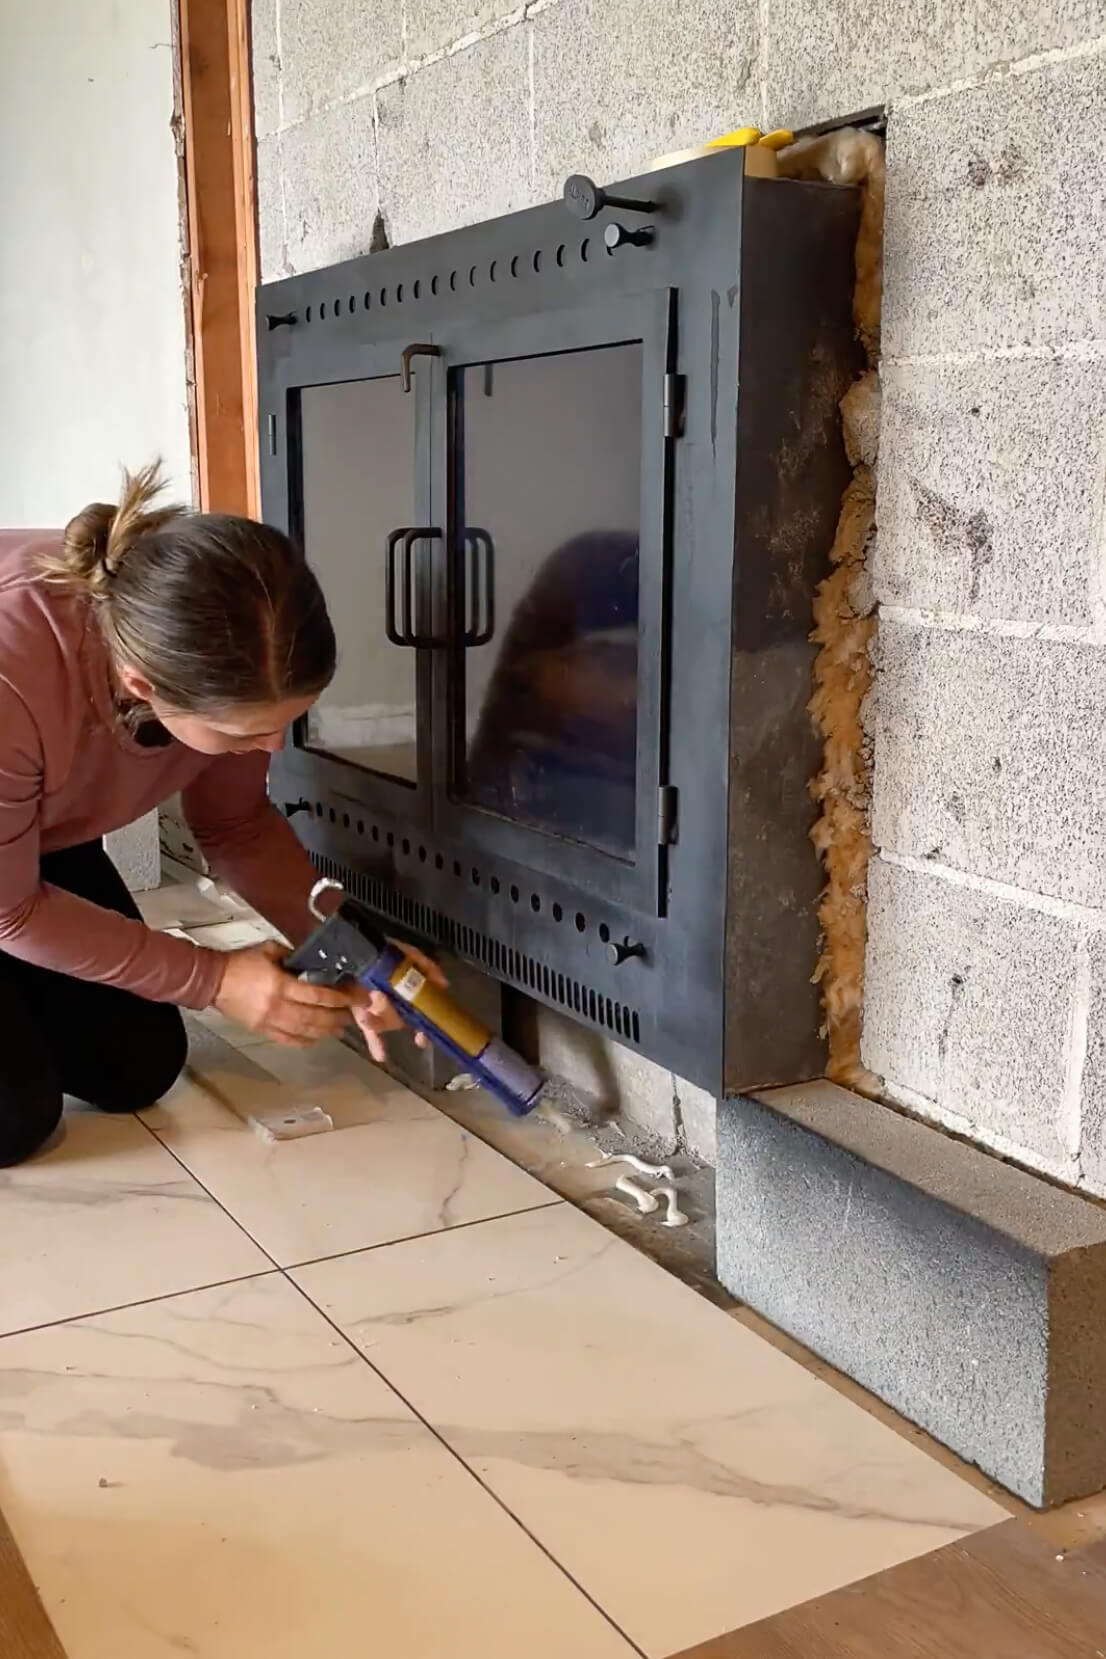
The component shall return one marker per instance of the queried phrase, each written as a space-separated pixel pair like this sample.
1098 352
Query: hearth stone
967 1293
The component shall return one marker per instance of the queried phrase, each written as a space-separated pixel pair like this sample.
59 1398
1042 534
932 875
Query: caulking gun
350 944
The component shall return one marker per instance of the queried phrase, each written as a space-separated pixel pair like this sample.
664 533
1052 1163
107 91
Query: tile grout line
382 1244
140 1302
217 1202
273 1271
470 1471
431 1232
286 1275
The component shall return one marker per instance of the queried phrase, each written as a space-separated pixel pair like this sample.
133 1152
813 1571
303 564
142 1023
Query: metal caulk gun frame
350 944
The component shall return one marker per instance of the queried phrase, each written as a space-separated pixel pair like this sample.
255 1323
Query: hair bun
96 543
87 544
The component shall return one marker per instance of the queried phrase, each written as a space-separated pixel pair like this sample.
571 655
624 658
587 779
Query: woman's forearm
55 929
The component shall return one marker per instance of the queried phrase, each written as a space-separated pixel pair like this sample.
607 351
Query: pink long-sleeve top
70 772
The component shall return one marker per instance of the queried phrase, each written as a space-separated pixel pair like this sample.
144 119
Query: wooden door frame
219 238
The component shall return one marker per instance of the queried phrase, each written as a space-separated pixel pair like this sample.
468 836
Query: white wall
92 351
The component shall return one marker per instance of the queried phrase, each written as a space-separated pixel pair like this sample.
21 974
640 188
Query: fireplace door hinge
674 388
668 800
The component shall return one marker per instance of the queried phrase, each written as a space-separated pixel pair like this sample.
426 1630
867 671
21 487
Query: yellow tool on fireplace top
760 159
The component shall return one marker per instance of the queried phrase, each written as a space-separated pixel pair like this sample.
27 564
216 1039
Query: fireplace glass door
360 480
551 675
557 463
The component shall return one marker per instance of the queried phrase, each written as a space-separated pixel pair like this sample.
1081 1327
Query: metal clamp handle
419 349
479 595
404 541
321 887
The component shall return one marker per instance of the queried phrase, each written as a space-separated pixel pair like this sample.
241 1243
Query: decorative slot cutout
503 961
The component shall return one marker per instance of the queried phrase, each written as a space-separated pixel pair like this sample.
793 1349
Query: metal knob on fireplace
624 950
584 199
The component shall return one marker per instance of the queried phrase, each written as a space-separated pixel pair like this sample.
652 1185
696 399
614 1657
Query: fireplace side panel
798 357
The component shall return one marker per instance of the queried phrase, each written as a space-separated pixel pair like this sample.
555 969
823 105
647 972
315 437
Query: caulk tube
350 945
429 1008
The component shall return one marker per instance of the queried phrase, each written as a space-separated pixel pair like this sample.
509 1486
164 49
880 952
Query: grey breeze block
968 1294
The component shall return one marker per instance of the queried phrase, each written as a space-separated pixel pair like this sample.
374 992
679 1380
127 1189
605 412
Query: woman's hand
257 993
375 1015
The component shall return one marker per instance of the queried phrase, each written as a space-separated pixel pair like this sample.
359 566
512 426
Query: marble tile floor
383 1391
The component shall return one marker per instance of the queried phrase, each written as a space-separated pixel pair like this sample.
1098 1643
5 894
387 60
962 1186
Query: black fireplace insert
569 480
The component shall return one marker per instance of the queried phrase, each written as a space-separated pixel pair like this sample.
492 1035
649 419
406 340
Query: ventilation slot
496 958
532 262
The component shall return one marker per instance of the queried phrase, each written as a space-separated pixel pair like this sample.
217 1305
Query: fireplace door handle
400 551
480 588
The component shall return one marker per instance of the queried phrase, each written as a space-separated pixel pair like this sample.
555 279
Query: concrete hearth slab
968 1294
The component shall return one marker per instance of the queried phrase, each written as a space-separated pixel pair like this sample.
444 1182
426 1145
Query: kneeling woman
149 652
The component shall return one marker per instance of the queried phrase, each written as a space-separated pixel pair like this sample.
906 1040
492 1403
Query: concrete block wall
986 1002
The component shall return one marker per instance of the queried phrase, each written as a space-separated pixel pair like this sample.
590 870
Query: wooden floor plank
1002 1593
25 1631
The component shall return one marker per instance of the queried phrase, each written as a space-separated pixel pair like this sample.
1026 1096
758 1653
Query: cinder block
265 67
968 1002
990 488
608 1075
1092 1151
331 50
433 25
330 196
698 1111
991 755
968 1294
619 82
994 203
825 58
273 251
455 140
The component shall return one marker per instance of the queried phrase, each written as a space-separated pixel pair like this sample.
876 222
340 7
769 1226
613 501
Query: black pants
62 1036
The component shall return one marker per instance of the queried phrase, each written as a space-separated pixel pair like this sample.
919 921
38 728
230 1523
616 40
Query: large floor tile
391 1168
689 1476
106 1217
220 1475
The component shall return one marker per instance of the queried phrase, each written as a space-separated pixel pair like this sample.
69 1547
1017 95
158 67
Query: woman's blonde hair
214 611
